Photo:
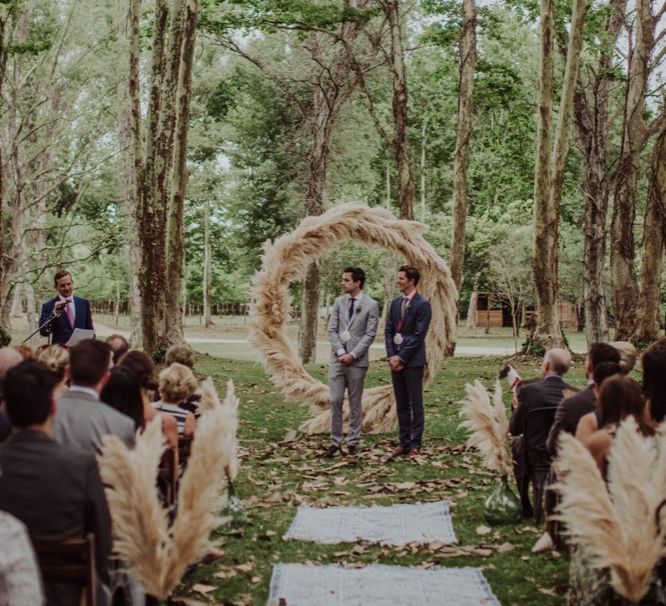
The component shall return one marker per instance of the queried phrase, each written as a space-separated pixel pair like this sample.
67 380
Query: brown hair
182 354
619 397
142 365
177 383
411 272
654 378
61 273
89 362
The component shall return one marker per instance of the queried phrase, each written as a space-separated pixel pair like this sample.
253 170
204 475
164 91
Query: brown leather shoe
399 451
414 452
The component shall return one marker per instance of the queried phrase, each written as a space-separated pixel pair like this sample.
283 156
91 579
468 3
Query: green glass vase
502 506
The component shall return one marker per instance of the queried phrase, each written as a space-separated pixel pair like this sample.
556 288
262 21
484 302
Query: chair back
168 476
72 561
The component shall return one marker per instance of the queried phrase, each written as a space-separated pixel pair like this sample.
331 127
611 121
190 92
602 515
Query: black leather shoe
332 450
352 450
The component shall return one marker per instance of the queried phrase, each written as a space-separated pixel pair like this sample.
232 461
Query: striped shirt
176 412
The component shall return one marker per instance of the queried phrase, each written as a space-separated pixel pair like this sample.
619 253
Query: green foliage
5 337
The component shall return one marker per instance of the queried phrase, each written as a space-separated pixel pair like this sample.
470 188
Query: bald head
9 358
556 361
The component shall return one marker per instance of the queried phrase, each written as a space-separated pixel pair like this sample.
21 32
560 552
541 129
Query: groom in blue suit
72 312
406 327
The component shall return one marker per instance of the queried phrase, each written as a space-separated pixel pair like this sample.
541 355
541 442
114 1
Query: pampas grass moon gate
285 261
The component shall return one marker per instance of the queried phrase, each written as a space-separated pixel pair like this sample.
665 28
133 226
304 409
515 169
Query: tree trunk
634 137
396 58
544 263
334 87
471 309
174 312
424 209
461 160
647 309
591 117
207 273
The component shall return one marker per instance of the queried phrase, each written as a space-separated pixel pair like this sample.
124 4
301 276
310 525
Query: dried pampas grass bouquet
158 555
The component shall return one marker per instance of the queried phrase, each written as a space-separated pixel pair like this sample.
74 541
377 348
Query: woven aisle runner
378 585
393 525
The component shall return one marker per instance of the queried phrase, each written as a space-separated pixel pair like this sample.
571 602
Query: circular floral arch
285 261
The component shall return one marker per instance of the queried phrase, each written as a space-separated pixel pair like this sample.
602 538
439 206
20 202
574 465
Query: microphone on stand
59 307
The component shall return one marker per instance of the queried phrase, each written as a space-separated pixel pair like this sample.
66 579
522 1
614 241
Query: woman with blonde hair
176 385
56 359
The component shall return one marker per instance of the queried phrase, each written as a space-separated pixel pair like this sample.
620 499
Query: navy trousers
408 390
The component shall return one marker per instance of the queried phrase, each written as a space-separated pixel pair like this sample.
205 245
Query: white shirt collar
82 389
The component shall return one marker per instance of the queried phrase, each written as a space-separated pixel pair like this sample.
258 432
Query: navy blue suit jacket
60 327
412 350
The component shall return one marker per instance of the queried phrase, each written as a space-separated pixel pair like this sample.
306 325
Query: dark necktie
351 307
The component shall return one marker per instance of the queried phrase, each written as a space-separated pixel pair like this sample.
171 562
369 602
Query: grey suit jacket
362 327
81 422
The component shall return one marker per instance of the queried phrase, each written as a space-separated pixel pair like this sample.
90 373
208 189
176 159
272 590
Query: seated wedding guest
570 410
184 355
654 379
82 419
55 490
619 397
123 392
177 383
119 346
9 358
530 420
20 582
56 359
628 355
589 423
142 365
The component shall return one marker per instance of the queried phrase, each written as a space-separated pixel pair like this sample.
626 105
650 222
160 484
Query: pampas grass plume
615 525
488 425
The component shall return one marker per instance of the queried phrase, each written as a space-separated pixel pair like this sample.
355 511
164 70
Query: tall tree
592 120
158 199
647 308
635 134
463 134
549 167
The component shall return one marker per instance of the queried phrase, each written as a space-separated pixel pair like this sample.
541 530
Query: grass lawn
275 478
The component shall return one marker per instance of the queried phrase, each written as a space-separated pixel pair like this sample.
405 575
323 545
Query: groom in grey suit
351 330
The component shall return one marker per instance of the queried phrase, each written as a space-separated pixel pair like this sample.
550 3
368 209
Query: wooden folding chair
79 567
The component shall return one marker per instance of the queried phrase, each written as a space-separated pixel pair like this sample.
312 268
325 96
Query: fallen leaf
204 589
481 530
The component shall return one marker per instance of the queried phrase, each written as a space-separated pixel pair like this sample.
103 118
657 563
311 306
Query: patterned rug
378 585
394 525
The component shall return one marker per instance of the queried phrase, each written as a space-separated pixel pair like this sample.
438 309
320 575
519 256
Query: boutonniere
359 308
408 307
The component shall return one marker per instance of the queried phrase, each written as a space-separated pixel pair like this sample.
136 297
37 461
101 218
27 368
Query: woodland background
151 148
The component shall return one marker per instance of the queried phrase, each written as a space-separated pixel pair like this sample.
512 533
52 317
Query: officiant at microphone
68 312
406 328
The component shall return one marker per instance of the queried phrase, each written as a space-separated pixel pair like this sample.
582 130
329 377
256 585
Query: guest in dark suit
72 312
54 490
570 410
534 410
406 327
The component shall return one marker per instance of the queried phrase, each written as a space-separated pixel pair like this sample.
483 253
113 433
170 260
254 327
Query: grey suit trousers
351 378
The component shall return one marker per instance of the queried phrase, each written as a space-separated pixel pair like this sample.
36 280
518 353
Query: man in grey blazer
82 420
351 330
